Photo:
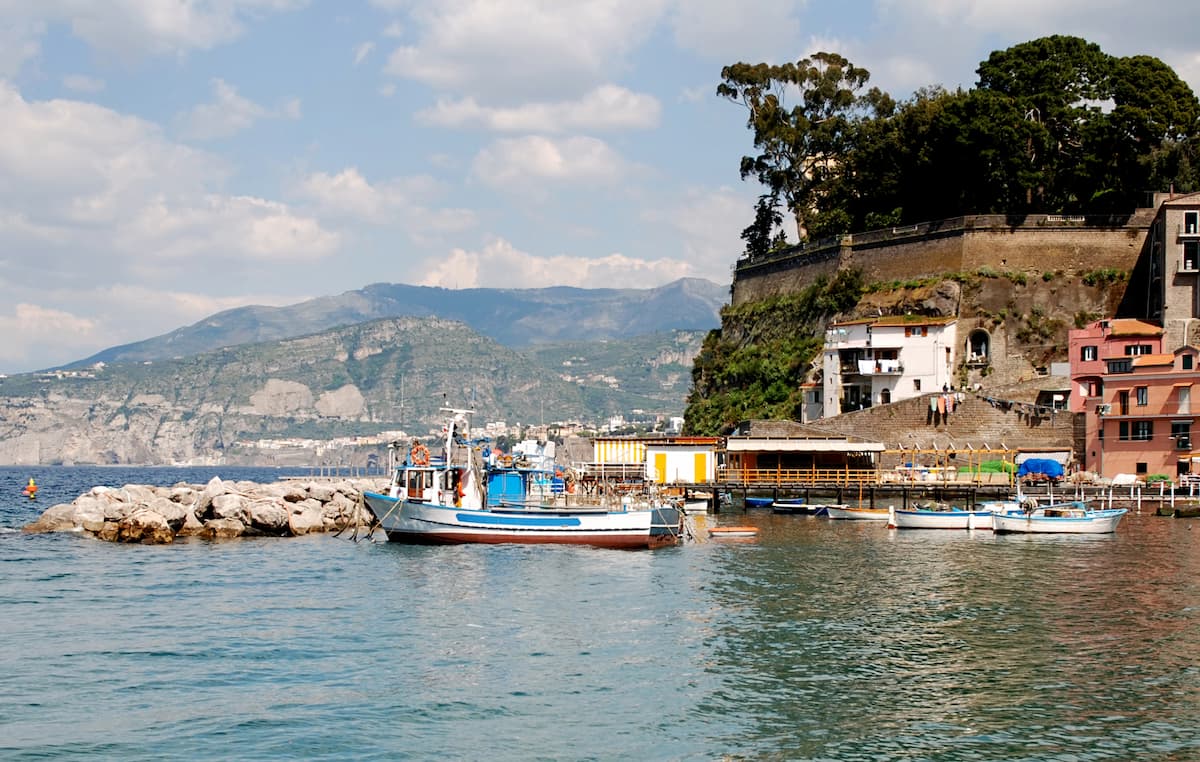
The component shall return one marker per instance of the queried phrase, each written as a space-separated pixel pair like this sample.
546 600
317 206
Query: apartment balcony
873 368
1188 231
1188 265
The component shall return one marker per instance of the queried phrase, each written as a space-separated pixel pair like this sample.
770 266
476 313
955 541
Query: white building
877 361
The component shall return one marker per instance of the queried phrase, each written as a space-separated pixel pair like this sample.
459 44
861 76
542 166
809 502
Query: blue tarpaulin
1046 467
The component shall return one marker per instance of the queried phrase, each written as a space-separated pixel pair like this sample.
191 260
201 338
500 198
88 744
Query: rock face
215 511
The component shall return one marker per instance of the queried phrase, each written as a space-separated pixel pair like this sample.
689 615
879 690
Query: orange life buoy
419 455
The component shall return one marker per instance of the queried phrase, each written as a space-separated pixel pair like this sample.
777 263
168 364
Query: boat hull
1094 522
857 514
902 519
424 523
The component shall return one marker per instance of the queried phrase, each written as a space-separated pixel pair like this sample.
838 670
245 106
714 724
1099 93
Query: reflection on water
817 640
853 641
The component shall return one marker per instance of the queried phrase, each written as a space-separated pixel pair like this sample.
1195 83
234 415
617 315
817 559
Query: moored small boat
731 532
1060 518
860 514
791 505
759 502
941 517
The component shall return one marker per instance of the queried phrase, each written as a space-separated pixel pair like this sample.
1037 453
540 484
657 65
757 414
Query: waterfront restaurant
784 453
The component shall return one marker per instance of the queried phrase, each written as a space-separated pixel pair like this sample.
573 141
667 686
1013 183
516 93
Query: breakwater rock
217 510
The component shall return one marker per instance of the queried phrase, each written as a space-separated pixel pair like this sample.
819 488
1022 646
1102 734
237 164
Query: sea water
817 640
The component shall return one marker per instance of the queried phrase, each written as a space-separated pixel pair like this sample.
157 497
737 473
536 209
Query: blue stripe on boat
518 521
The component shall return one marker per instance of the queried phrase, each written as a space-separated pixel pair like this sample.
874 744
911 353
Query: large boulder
191 526
269 517
222 529
321 491
214 487
89 512
230 506
306 518
57 518
173 512
145 526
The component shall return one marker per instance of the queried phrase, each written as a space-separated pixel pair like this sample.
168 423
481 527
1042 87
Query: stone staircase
978 422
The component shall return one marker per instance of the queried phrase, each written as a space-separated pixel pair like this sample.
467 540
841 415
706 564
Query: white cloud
29 327
506 49
500 265
130 28
82 83
534 160
708 225
41 336
18 43
228 114
401 201
608 107
756 30
222 229
361 51
92 195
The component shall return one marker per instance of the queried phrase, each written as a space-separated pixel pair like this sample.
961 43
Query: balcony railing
873 368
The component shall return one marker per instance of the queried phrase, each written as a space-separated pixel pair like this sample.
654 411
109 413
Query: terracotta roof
1130 327
890 320
1145 361
913 320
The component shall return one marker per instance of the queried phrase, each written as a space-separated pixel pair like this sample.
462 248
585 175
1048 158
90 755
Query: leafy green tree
800 146
759 235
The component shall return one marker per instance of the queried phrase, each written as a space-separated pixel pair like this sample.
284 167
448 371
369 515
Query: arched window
885 396
978 346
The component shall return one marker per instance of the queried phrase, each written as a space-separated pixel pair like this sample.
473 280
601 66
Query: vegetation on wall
754 365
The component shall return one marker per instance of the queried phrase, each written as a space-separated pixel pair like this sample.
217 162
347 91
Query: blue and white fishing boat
939 516
446 501
759 502
791 505
1059 518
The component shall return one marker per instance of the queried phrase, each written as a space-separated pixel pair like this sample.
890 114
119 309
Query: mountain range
513 317
212 393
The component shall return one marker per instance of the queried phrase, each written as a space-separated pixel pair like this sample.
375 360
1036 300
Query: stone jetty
217 510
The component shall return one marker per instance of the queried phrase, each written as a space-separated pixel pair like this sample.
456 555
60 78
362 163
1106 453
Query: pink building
1093 348
1140 420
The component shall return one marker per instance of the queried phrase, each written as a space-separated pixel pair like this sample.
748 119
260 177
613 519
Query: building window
1143 395
1120 366
1123 430
916 384
1143 431
1141 468
1133 350
1186 362
1191 256
1123 401
1191 223
1181 432
1089 354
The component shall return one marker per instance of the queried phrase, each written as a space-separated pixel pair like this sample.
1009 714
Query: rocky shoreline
138 513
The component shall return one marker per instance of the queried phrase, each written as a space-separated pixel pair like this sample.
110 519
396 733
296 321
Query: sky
163 160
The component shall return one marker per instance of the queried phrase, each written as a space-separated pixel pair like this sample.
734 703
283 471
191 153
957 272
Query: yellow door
701 466
660 467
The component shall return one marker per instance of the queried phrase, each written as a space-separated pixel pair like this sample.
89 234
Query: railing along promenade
859 477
